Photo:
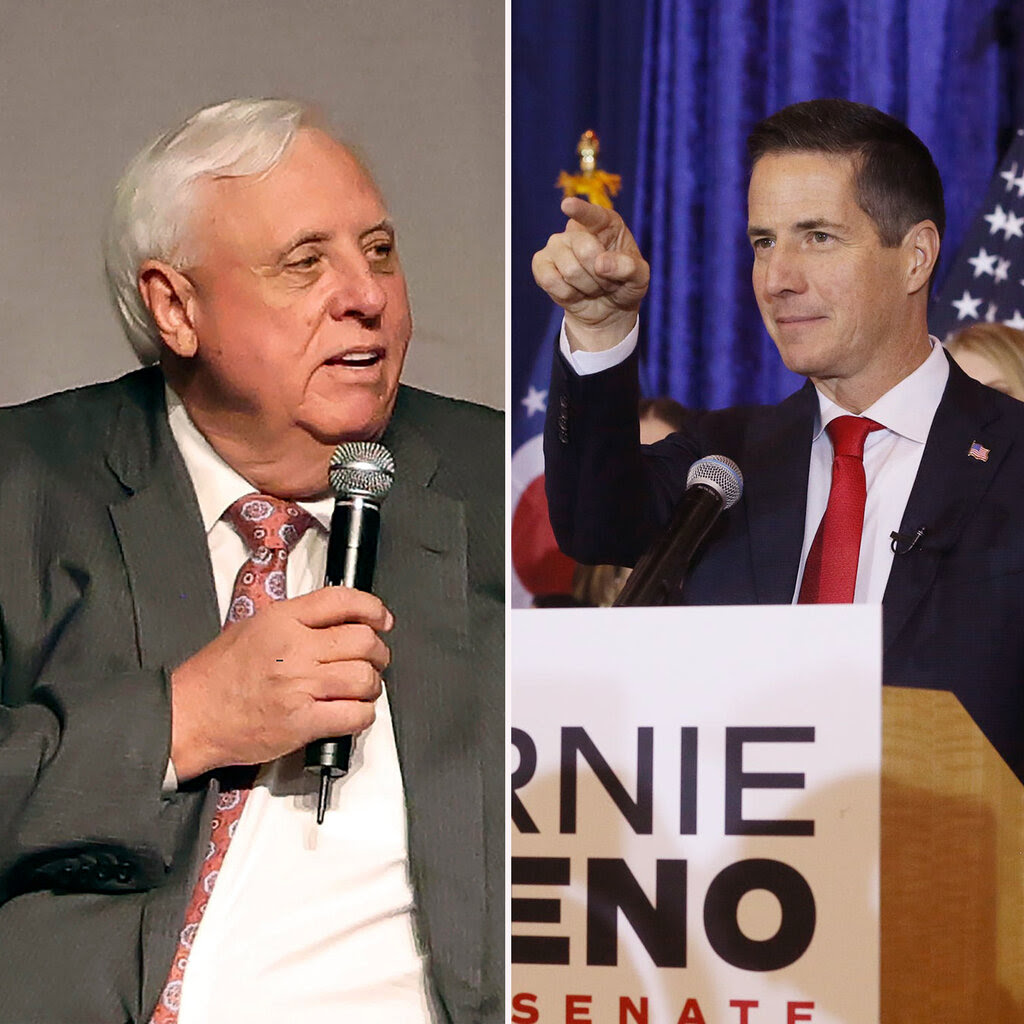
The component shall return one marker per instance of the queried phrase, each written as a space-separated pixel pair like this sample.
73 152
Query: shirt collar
906 409
216 484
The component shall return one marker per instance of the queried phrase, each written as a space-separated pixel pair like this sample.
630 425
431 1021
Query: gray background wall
84 84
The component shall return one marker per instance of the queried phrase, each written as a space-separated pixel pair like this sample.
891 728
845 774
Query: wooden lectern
952 868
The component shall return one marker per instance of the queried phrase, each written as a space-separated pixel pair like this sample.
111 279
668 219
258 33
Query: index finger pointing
589 216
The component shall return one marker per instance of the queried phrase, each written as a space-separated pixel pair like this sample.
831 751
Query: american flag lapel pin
978 451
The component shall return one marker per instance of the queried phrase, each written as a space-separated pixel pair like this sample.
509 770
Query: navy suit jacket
106 586
953 610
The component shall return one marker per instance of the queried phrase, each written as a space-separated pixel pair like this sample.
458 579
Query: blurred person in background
992 354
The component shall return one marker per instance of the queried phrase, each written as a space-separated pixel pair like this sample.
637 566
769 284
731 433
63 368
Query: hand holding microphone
297 670
301 668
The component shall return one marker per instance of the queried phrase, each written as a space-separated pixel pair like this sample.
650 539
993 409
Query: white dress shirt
891 456
307 924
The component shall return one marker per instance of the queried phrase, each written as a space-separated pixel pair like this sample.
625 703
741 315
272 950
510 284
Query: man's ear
170 298
922 247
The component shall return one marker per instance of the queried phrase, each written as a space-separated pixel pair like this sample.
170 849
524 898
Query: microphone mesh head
719 473
361 468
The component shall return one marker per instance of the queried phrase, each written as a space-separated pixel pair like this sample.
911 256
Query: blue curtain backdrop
672 88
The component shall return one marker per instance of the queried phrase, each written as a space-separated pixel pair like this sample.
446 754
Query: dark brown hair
896 180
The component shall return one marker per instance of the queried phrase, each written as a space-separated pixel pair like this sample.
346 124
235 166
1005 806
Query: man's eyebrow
385 225
302 238
307 237
817 224
812 224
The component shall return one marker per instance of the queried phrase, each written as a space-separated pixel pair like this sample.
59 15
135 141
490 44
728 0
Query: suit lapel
947 490
422 576
162 539
166 560
775 497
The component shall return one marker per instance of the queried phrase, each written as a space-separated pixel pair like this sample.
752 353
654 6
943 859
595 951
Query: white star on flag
1013 181
983 263
1013 226
996 219
986 280
967 306
535 401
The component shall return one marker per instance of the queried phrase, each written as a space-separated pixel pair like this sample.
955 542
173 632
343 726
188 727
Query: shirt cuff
586 363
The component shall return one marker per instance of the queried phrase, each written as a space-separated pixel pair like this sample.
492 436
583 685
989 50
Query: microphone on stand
713 483
360 475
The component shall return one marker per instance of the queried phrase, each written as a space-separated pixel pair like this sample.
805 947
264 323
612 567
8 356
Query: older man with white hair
160 857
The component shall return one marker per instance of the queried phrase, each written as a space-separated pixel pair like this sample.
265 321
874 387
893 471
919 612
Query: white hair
155 199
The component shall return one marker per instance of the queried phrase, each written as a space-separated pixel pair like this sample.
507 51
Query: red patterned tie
270 528
830 574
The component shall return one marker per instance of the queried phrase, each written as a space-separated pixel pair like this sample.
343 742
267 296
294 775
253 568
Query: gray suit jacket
106 586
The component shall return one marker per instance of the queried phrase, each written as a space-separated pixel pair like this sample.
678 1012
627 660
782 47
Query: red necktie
830 573
270 528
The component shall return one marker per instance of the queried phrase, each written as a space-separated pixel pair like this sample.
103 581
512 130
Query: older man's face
300 307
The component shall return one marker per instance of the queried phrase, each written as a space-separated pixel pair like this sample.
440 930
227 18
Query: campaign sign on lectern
695 815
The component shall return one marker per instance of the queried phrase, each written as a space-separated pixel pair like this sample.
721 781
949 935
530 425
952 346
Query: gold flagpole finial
594 184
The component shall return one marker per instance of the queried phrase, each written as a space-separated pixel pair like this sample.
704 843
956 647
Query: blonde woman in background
992 354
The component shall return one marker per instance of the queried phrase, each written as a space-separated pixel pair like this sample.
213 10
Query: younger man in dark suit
253 255
845 220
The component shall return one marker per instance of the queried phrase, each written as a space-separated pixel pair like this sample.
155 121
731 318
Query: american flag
986 283
979 452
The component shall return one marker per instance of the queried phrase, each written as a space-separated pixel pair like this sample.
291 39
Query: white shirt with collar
892 456
306 924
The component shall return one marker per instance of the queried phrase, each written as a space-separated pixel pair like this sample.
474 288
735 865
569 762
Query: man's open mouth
356 360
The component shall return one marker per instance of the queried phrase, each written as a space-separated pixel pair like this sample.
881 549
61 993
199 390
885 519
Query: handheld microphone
360 475
713 483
